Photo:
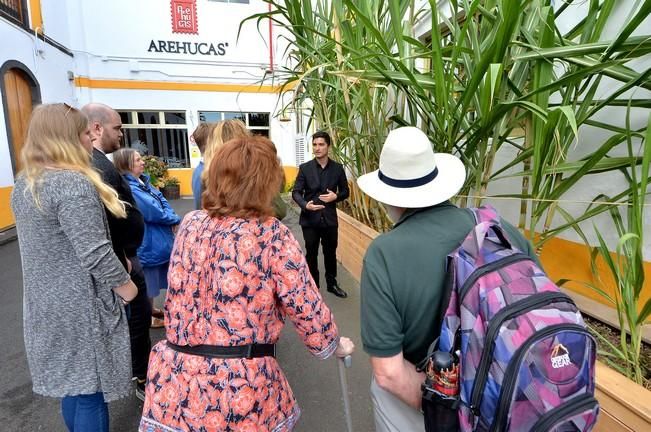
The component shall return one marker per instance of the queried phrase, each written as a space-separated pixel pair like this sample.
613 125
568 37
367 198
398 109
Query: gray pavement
315 382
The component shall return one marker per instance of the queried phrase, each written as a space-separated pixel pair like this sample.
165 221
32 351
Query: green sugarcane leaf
644 313
569 114
628 29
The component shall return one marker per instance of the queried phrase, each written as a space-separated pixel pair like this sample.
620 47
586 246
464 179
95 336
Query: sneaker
140 389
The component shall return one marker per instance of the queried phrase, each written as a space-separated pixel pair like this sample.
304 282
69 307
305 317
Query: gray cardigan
75 327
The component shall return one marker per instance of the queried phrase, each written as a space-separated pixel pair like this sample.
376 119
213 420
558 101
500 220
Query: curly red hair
244 176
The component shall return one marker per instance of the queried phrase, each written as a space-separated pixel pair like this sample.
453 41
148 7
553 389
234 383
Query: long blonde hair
53 142
222 131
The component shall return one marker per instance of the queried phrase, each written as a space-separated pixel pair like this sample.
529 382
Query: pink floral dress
232 282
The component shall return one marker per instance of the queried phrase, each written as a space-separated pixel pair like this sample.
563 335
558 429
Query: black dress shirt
312 181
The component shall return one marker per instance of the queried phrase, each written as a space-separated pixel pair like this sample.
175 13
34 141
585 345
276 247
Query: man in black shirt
320 184
126 234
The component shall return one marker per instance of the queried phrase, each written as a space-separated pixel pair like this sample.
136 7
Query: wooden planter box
171 192
625 406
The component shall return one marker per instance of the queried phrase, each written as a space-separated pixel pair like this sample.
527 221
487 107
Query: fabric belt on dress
242 351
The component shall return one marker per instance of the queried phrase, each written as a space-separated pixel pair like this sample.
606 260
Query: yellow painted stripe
168 85
36 17
565 259
290 175
185 177
6 215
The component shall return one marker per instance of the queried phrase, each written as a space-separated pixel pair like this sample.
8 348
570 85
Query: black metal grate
13 8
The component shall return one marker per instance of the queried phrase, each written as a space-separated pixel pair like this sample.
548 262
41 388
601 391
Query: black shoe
336 290
140 389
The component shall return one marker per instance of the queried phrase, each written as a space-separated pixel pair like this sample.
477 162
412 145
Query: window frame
246 116
162 125
23 12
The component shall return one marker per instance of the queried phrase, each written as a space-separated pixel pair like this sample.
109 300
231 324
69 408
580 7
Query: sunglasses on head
70 108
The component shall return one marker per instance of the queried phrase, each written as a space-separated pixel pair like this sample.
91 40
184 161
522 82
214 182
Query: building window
163 134
257 123
15 10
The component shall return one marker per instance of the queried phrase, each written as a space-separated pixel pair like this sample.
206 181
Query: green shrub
155 168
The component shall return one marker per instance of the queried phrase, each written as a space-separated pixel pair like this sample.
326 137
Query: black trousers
328 237
139 322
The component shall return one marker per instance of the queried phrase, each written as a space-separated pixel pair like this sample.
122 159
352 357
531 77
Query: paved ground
315 383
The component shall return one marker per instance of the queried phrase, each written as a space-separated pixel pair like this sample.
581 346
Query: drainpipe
271 51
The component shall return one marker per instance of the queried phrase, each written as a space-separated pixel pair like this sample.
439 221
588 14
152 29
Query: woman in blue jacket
160 223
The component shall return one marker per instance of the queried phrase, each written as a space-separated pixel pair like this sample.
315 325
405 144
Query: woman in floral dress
235 273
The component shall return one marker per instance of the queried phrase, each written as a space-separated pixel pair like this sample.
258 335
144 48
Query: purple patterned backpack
527 361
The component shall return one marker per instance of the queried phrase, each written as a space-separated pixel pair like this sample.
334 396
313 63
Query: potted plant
171 188
156 169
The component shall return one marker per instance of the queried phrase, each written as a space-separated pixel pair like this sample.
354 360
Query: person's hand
313 207
175 229
127 292
129 265
346 347
328 197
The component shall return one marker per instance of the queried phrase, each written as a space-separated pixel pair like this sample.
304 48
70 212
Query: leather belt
241 351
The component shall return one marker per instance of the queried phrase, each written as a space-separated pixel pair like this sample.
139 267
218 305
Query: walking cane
345 363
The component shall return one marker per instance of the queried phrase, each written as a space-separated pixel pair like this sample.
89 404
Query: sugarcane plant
491 76
625 268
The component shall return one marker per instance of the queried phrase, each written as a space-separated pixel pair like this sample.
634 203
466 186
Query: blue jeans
85 413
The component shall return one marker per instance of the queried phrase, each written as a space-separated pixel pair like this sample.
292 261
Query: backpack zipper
511 371
573 407
511 311
487 268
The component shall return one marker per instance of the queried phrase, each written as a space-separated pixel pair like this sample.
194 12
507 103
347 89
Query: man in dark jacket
126 234
320 184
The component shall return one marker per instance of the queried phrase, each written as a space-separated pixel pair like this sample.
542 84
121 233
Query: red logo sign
184 16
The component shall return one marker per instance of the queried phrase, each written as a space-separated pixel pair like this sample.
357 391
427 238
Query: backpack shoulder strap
486 213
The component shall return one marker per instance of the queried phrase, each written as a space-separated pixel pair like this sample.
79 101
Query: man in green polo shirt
404 269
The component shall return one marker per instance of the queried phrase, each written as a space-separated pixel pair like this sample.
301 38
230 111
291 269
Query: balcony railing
14 9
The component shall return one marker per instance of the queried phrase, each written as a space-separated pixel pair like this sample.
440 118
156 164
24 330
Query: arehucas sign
184 21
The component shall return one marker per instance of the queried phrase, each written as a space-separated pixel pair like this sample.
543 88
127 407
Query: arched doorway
20 92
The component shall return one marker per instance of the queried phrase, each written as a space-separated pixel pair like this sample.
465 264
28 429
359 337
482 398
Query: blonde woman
75 327
222 132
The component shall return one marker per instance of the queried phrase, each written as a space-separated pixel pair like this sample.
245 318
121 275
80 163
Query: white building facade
164 65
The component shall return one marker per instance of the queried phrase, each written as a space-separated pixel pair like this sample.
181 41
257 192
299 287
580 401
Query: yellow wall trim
185 177
35 15
6 215
168 85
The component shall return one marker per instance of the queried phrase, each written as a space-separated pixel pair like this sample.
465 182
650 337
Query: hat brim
450 179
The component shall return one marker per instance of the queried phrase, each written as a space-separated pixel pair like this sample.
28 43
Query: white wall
48 64
113 41
56 22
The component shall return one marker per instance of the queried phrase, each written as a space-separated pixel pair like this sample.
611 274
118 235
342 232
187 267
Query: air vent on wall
299 144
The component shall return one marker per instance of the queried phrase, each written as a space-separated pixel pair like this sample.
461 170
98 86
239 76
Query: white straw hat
411 175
